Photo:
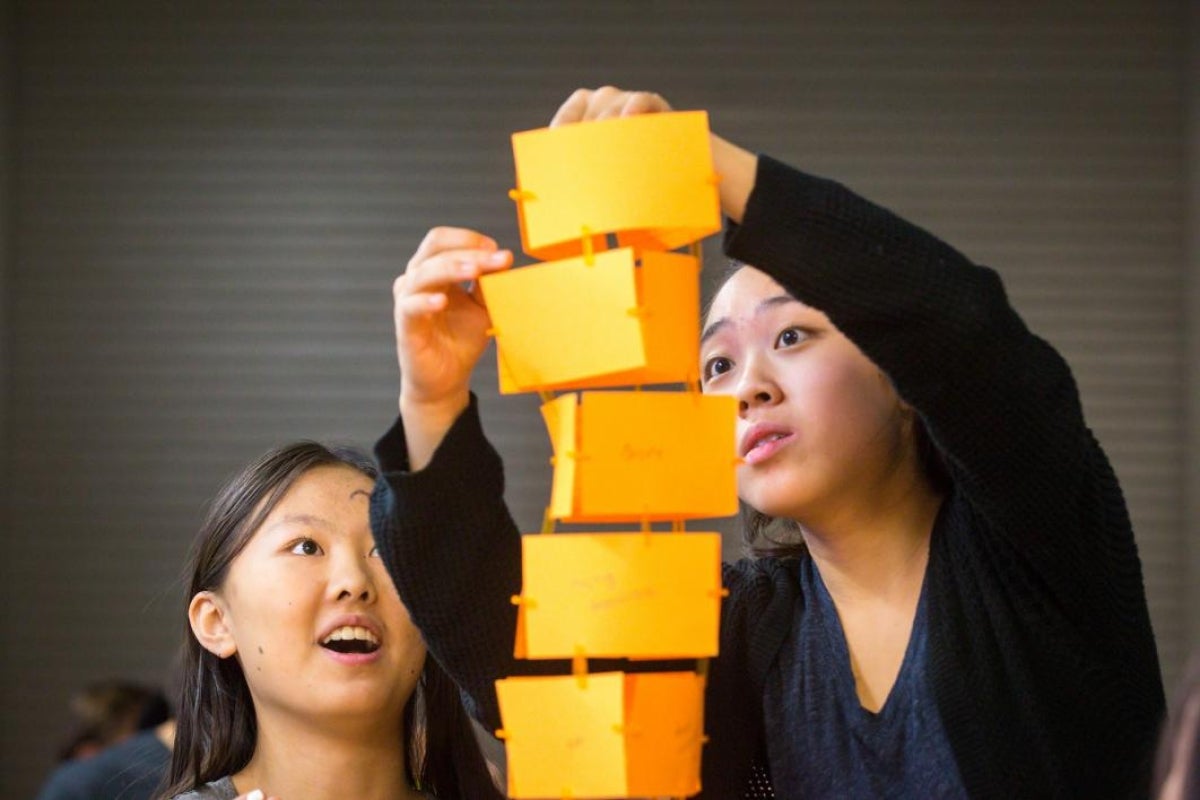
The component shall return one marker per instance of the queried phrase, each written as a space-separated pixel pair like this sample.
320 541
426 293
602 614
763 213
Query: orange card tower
604 206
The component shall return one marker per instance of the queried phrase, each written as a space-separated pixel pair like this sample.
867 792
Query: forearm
453 552
1000 402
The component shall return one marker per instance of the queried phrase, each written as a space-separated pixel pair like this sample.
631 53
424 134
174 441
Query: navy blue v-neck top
848 751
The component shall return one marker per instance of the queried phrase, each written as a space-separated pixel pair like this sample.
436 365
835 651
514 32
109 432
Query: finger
573 109
644 103
448 238
451 267
419 306
605 102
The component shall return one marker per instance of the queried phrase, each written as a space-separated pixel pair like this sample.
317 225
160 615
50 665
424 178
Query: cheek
410 644
845 395
271 622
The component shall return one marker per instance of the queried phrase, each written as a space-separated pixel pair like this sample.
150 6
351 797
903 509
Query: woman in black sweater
960 612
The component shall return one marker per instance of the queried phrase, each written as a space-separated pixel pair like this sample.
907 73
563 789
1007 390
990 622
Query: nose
352 578
756 386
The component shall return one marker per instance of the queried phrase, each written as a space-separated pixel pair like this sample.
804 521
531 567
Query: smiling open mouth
351 640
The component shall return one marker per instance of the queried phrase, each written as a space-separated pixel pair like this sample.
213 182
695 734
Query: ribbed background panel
1191 527
212 199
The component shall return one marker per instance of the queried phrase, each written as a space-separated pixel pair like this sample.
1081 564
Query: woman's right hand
441 331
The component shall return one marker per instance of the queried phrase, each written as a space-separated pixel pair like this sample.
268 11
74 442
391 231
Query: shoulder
221 789
69 780
760 580
139 761
763 598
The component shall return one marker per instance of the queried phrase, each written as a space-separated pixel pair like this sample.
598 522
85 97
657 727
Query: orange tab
568 324
621 594
618 736
646 456
648 178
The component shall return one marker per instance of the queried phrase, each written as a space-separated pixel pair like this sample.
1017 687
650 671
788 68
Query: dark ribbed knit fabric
1041 655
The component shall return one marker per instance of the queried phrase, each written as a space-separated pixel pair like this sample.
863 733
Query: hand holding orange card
605 323
648 178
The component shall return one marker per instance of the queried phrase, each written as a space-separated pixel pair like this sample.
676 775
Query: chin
774 501
773 487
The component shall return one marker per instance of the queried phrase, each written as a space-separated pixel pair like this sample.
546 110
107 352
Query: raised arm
438 513
1000 403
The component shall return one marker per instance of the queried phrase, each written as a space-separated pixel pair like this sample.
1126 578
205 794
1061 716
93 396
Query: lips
762 441
351 635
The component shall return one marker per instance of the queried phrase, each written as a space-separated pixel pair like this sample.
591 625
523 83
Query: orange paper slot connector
648 178
609 323
620 594
648 456
619 735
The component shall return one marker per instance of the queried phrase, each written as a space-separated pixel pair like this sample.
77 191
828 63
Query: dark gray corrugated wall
211 200
1191 215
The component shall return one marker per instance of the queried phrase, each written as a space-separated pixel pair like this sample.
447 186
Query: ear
208 618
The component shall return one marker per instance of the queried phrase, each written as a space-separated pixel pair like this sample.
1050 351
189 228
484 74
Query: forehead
745 294
330 490
744 289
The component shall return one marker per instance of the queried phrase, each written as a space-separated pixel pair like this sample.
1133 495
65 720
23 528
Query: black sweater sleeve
999 402
453 551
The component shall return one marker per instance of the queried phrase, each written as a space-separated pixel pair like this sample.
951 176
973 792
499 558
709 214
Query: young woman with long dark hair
952 605
303 676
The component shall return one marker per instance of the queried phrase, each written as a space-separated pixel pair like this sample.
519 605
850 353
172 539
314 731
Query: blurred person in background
121 748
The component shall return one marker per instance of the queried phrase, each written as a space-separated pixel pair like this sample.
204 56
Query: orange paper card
648 178
664 731
638 595
608 735
562 422
564 740
632 456
608 323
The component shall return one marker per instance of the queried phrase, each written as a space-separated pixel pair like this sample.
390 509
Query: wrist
427 421
737 169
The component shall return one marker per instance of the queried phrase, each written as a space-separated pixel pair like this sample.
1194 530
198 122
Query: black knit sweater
1041 655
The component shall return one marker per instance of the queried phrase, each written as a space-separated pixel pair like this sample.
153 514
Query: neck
875 545
296 758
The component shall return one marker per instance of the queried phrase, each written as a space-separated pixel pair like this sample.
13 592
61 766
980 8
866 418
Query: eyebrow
357 492
770 302
305 519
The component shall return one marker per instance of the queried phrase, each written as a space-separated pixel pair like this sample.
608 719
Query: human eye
306 547
790 337
715 366
374 552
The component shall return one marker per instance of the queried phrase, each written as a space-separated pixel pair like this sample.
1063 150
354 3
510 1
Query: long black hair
217 729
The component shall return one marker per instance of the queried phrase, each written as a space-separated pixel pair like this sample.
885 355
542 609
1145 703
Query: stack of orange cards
603 205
